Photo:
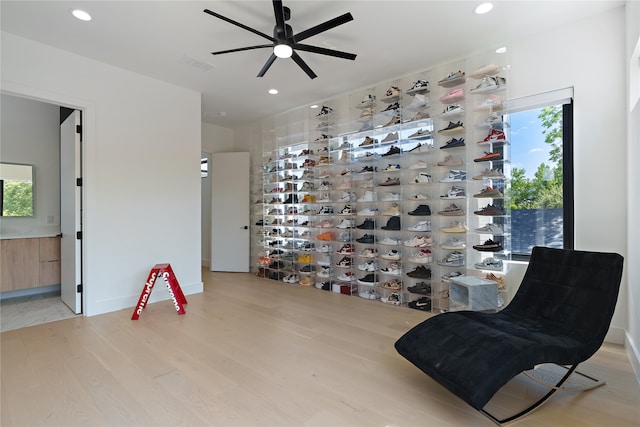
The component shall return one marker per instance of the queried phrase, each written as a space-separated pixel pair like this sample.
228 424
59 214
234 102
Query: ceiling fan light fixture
81 15
282 50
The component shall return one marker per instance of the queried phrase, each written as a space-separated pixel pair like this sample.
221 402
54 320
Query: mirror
17 189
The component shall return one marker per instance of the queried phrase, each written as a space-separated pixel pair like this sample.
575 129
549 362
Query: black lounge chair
559 315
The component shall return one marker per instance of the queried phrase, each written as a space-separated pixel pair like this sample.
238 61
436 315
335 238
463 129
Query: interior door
70 212
230 193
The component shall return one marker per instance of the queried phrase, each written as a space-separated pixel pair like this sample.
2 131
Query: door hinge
78 235
79 288
79 182
79 129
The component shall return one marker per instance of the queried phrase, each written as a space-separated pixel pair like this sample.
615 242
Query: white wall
141 168
30 134
633 192
215 139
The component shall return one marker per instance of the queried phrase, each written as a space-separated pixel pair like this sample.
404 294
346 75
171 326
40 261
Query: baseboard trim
633 354
615 336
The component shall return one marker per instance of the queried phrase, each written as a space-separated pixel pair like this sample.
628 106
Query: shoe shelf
374 194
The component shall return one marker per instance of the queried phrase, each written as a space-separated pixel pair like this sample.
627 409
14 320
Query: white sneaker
347 277
324 261
456 192
368 196
490 264
423 256
453 244
389 241
368 266
419 242
369 253
348 196
419 196
393 255
368 212
391 197
454 259
393 268
347 210
421 226
324 249
324 272
418 165
422 178
346 223
490 228
419 101
455 227
455 176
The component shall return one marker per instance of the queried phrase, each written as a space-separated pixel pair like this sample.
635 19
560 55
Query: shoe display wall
390 179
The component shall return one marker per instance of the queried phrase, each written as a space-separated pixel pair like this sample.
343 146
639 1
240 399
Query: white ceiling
172 41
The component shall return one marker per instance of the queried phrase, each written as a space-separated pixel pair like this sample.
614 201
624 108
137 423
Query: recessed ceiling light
484 8
502 49
81 15
273 91
314 106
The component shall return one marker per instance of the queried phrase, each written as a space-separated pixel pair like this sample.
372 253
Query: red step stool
166 272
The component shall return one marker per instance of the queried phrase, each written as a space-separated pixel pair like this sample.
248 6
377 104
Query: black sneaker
420 272
368 224
369 279
392 224
452 143
308 269
422 288
488 246
423 303
393 150
367 238
421 210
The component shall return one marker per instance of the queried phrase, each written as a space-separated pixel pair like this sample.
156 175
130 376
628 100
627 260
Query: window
540 196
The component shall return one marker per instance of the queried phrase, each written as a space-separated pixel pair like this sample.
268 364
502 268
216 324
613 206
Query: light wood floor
253 352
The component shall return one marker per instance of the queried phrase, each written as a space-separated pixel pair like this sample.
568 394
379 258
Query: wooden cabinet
29 263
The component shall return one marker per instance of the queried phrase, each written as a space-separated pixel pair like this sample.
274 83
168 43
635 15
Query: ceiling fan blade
332 23
278 11
244 27
323 51
303 65
240 49
266 66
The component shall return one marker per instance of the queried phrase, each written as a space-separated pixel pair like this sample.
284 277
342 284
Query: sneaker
346 249
307 246
306 281
393 299
369 280
418 196
392 136
423 256
390 241
488 246
325 286
490 174
419 242
490 264
454 274
344 185
421 226
346 210
326 210
393 223
487 83
392 151
491 210
291 278
452 110
490 228
419 101
346 223
492 101
423 304
368 196
394 285
390 197
324 261
456 77
489 192
345 262
394 268
453 244
367 169
391 108
325 224
422 288
395 120
455 175
484 70
324 111
419 86
498 279
368 294
422 178
368 212
453 143
452 210
390 181
305 258
420 134
368 141
368 266
392 92
367 238
392 255
454 95
347 277
367 101
421 210
324 249
367 183
308 269
417 165
454 259
420 272
348 196
368 253
454 227
455 192
392 210
391 168
489 156
368 224
420 148
420 115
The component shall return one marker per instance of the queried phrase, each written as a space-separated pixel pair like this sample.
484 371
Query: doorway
42 303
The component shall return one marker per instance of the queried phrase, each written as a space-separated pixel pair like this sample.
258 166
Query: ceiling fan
285 43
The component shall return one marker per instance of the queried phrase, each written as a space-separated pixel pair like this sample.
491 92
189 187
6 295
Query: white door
70 212
230 192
